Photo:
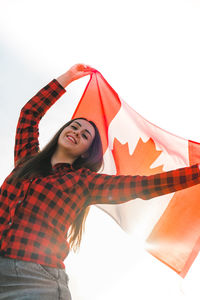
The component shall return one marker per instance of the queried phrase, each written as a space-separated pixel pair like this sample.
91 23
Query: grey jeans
21 280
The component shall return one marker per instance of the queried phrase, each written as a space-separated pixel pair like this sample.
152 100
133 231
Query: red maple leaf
139 163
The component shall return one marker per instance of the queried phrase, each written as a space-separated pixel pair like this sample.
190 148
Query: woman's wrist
64 79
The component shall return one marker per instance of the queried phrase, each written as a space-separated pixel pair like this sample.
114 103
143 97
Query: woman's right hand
75 72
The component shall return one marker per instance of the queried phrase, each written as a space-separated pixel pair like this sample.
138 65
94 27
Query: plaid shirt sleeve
111 189
27 132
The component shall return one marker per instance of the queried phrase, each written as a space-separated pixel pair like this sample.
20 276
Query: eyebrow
81 126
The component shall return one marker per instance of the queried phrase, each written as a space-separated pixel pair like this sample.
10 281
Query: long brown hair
40 164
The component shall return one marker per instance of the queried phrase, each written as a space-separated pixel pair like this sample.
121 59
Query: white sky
149 53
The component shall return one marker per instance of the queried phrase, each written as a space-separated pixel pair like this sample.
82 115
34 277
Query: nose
76 132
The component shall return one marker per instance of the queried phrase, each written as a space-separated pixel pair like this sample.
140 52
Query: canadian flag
170 224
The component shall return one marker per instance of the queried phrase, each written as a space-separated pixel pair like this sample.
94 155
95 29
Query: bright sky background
149 52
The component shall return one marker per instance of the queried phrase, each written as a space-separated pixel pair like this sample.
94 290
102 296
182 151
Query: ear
84 155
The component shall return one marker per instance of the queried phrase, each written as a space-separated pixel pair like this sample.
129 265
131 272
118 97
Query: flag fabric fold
169 224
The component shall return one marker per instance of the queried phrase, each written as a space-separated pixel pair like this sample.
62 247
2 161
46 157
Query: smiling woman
45 200
74 141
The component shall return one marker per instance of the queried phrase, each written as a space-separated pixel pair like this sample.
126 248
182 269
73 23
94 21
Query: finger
89 69
84 68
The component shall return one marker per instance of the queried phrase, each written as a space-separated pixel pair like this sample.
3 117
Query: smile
71 139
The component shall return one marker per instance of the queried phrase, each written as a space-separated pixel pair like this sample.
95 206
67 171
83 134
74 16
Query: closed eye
83 135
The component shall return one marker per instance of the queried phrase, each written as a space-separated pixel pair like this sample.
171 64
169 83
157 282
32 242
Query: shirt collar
61 166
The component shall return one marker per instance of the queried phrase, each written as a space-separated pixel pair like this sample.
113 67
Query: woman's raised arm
27 133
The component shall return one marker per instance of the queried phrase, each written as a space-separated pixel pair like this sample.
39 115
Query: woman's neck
61 157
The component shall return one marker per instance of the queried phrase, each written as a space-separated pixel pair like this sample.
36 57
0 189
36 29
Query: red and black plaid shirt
35 215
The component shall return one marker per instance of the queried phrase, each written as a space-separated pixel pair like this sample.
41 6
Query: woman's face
76 138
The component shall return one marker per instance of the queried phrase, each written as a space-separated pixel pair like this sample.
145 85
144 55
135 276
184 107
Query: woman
45 199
